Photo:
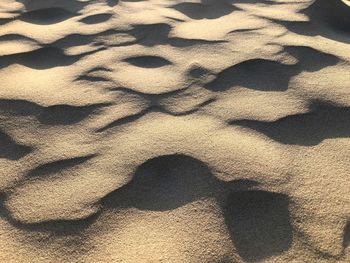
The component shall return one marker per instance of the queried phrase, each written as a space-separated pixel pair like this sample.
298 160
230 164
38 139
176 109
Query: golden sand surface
202 131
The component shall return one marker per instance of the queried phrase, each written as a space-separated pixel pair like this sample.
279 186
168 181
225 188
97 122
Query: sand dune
174 131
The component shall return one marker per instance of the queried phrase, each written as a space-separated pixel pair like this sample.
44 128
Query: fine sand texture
201 131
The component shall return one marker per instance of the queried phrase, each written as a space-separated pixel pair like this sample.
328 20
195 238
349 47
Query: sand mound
174 131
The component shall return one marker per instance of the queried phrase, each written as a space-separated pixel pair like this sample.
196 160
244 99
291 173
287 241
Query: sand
174 131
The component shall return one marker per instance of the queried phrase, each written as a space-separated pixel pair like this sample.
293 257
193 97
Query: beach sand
174 131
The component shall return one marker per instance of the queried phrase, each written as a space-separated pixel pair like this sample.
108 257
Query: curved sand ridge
174 131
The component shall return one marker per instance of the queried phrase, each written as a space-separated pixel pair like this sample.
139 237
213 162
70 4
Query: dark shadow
158 34
270 2
165 183
42 58
258 74
95 19
146 35
57 166
160 184
112 2
148 61
92 79
205 10
198 72
171 181
66 114
93 75
268 75
328 18
46 16
19 107
307 129
151 97
334 13
123 121
59 227
346 237
98 40
72 40
4 21
98 69
10 149
185 42
259 224
52 115
16 37
154 107
71 5
151 34
310 59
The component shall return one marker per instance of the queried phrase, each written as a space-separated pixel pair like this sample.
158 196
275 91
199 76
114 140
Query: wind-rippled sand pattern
174 131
